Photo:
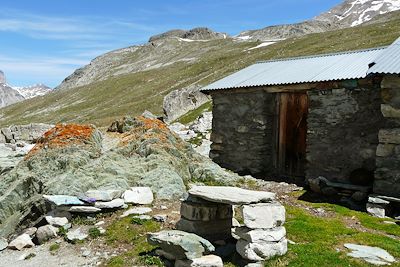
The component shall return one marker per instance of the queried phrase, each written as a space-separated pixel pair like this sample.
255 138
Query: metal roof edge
321 55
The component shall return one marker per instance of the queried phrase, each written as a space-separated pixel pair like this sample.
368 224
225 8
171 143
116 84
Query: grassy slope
101 102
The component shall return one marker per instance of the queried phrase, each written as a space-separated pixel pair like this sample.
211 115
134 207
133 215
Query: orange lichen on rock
63 135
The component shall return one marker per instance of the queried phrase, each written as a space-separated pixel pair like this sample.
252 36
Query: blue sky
46 40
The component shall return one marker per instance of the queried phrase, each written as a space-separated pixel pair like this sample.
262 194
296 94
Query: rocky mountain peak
2 77
355 12
200 33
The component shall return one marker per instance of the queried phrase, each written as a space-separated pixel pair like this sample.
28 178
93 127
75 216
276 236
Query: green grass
103 101
319 241
54 247
94 232
194 114
132 235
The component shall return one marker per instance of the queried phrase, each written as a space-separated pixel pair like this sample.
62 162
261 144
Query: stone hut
334 116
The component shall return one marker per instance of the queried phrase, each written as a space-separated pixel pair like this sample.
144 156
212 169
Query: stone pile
64 206
208 212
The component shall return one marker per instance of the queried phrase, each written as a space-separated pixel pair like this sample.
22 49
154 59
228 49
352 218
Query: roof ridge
322 55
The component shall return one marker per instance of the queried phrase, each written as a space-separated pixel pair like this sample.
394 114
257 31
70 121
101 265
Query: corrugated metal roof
327 67
388 62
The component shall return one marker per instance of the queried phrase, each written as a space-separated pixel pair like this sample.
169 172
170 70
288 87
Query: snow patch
261 45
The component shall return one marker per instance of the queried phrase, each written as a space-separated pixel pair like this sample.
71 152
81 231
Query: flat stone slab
84 209
261 235
136 211
180 244
373 255
230 195
103 195
205 261
113 204
63 200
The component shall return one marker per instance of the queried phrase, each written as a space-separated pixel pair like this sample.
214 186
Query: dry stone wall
342 137
387 175
243 131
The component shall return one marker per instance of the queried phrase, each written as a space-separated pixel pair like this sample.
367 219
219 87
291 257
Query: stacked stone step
210 220
263 235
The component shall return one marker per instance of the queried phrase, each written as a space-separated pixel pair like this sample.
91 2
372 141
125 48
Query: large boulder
180 102
73 159
45 233
180 244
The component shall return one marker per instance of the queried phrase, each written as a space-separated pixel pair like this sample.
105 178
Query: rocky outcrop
28 133
72 159
200 33
179 102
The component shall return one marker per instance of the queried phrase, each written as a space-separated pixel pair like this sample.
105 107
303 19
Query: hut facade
334 117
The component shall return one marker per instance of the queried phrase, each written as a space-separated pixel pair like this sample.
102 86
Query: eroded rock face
179 102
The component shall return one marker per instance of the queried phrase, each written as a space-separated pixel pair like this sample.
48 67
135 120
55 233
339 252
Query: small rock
143 217
291 242
30 231
235 223
103 195
76 235
86 253
113 204
99 223
181 244
3 244
373 255
160 217
101 230
137 210
84 209
162 207
389 222
376 210
22 241
45 233
67 226
56 221
205 261
139 195
63 200
255 264
148 115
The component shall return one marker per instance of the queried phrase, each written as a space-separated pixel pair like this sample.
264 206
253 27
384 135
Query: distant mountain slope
349 13
33 90
137 78
161 50
10 95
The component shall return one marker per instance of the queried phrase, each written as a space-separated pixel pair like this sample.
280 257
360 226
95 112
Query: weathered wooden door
292 134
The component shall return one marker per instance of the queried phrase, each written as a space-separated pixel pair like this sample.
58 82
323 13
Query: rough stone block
202 212
261 251
205 261
263 215
390 112
384 150
210 230
261 235
389 136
